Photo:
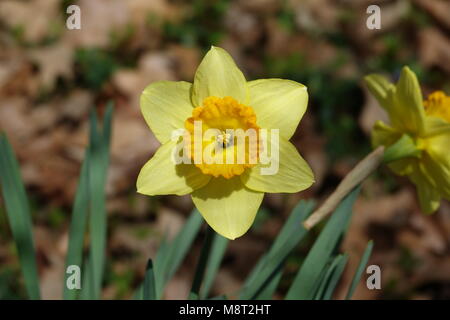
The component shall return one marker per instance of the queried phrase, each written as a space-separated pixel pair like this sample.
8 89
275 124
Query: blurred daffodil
227 195
418 136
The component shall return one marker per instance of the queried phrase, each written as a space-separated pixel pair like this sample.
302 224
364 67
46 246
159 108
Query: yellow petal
278 104
437 174
160 175
402 167
218 76
165 106
436 126
436 163
429 197
293 174
379 86
384 135
405 105
438 146
228 206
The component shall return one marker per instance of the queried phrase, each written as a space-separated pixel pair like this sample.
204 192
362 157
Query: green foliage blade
19 217
218 248
330 278
78 226
359 271
335 277
308 277
170 255
149 291
98 166
270 264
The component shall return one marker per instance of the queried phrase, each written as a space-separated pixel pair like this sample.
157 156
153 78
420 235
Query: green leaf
331 278
362 265
379 86
270 286
149 291
201 265
308 277
218 248
170 255
87 282
97 173
335 277
18 212
270 265
222 297
78 226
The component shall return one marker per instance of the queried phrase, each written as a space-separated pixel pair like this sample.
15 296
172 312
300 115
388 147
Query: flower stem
202 262
360 172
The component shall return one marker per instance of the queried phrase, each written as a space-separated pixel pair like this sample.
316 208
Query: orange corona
224 117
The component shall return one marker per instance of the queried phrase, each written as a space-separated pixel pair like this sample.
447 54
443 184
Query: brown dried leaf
36 17
53 62
434 49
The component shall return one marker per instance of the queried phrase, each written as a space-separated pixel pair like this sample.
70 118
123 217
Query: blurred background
51 77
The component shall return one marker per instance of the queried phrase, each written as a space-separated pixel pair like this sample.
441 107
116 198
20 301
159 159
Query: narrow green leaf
222 297
78 226
308 277
202 263
267 291
359 271
87 281
219 246
183 242
335 277
170 255
98 166
19 217
331 276
149 291
268 266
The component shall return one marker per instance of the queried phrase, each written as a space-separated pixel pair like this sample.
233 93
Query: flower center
438 105
224 137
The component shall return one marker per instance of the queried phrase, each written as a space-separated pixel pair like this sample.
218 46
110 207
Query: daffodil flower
424 126
227 195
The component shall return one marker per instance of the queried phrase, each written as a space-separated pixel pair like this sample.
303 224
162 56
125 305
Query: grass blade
271 285
219 246
98 166
362 265
335 277
149 291
87 289
329 281
19 217
78 226
202 263
308 277
268 266
170 255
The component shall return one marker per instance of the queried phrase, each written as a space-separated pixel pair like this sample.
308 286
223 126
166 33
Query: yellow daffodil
227 195
426 124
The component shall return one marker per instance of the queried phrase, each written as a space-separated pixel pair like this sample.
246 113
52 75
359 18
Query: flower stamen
438 105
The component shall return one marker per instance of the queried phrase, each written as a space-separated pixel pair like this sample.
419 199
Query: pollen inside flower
224 137
438 105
